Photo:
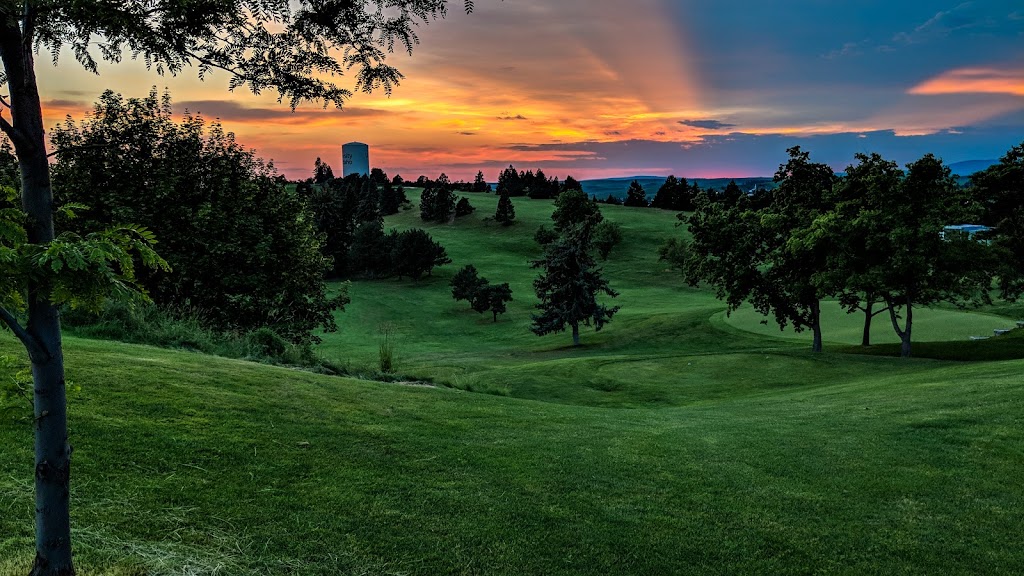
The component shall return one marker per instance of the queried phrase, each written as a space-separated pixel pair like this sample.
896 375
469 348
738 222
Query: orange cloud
974 81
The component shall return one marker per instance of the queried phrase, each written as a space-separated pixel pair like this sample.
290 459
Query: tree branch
13 133
36 351
76 148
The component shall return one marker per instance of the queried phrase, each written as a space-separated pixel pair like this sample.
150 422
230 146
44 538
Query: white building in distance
355 159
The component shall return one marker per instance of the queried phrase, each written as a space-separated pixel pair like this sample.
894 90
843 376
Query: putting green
930 325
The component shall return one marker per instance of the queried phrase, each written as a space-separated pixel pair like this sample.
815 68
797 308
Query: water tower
355 158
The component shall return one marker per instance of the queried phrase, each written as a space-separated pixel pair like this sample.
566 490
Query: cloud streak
974 81
707 124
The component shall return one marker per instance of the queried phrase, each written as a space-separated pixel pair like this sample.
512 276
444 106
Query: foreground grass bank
191 464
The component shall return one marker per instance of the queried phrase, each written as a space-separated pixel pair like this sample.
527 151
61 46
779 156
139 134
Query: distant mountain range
969 167
617 186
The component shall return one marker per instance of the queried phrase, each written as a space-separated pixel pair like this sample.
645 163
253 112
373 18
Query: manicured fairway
672 442
837 326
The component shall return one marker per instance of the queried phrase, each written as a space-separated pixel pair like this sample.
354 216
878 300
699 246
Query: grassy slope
185 460
671 443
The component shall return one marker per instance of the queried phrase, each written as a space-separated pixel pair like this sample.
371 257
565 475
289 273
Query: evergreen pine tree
636 196
568 287
506 212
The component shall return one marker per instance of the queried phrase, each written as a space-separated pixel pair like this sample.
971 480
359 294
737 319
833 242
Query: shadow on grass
1009 346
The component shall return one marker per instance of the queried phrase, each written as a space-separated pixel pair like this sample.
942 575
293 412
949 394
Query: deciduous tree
766 257
607 235
466 282
573 207
999 192
491 298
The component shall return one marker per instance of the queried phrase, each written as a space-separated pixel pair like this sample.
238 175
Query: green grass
930 325
672 442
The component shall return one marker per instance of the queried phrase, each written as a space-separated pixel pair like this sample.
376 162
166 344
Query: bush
185 329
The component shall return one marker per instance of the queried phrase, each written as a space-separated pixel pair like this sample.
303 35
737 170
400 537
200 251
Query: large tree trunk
52 451
816 326
575 334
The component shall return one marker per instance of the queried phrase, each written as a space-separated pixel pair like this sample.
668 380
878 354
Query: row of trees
874 238
678 195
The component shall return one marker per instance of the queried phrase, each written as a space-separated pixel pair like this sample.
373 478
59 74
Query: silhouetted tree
506 212
479 184
636 196
322 171
463 208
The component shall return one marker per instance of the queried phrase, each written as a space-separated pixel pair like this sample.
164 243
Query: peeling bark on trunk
52 451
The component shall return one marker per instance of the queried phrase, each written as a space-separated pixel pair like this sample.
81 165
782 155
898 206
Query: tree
613 200
463 208
242 248
859 197
573 207
392 198
676 252
322 171
368 253
368 209
636 196
607 235
437 205
378 177
333 209
506 212
999 192
466 282
919 265
414 253
767 257
570 183
291 47
479 184
674 194
732 193
568 286
510 182
491 298
544 235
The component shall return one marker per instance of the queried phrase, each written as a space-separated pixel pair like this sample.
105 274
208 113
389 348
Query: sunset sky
598 88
